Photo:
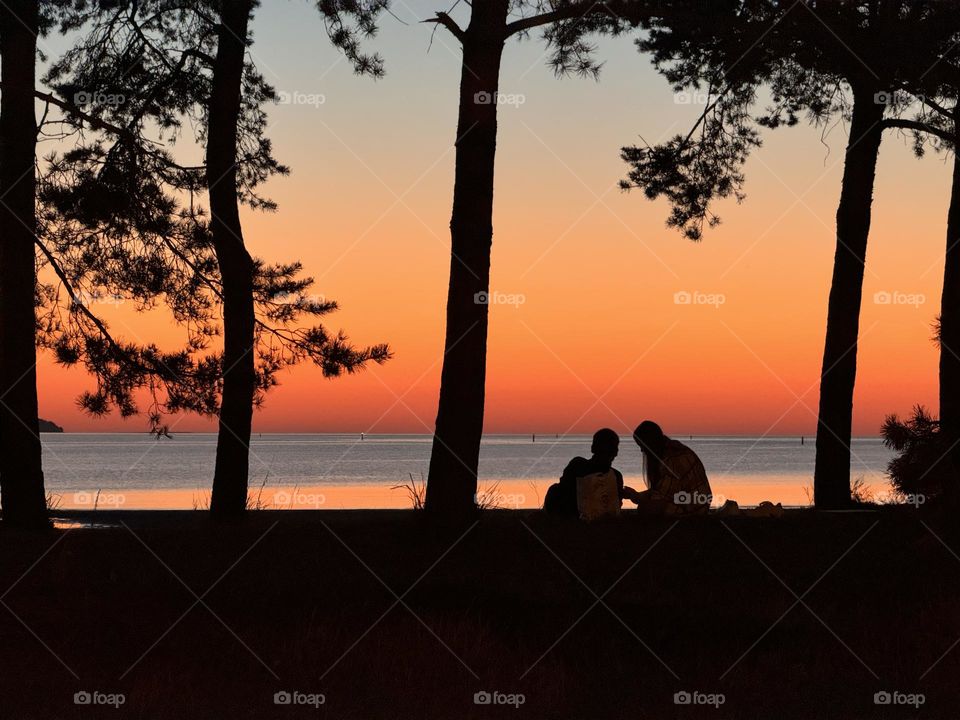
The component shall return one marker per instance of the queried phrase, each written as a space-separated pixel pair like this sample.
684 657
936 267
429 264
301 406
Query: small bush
922 465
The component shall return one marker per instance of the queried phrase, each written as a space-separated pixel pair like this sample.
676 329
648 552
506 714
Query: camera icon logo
682 698
682 298
482 698
282 697
481 298
82 698
682 498
882 698
483 98
883 98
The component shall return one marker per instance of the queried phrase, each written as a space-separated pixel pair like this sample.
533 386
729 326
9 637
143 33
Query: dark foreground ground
809 616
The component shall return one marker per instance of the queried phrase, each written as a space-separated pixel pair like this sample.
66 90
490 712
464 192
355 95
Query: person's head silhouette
650 438
605 445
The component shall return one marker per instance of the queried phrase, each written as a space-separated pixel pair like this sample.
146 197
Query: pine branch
441 18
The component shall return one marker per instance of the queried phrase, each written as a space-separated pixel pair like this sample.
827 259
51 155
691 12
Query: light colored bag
598 495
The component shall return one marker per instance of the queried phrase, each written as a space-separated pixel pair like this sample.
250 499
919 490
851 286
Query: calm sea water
134 470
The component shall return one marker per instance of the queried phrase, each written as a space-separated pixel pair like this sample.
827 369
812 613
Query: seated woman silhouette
676 479
562 498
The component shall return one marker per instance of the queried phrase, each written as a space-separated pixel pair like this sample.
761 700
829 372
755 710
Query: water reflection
506 494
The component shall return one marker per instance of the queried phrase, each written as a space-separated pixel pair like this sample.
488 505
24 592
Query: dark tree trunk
21 470
832 474
452 481
236 267
950 327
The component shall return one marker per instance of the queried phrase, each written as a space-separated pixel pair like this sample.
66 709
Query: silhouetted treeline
113 213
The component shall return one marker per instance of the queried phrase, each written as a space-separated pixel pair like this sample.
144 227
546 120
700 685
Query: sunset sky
598 338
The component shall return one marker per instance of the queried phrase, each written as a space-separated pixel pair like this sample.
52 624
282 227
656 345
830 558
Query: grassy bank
388 617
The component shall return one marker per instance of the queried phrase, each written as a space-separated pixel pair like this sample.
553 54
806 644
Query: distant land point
49 426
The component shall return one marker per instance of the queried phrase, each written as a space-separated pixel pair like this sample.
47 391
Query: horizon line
426 434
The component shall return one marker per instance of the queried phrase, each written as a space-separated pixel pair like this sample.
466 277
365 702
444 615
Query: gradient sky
598 339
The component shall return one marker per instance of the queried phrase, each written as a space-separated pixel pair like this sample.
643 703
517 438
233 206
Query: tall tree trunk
452 480
21 470
950 327
230 477
832 473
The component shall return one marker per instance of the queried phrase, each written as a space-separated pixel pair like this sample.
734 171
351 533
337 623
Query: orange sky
598 338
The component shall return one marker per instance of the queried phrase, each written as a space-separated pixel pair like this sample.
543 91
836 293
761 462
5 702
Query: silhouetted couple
676 480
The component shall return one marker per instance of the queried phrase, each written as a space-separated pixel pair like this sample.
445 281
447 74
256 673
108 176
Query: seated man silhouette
676 479
599 483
